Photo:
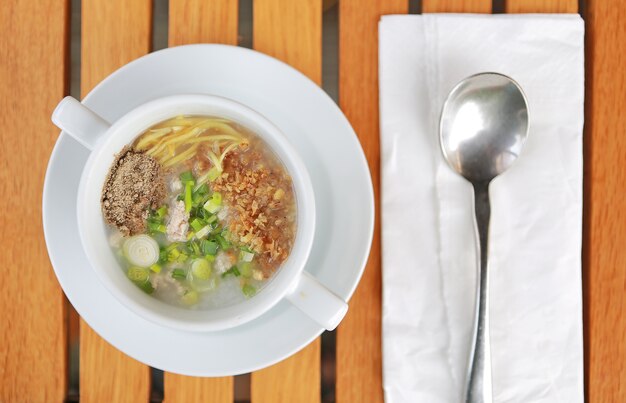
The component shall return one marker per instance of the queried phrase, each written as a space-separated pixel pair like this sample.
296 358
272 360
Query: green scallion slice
186 177
179 274
248 290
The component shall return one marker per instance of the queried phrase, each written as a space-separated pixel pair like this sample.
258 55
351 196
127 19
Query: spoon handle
479 388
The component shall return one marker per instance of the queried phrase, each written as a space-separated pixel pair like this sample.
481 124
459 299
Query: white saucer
343 196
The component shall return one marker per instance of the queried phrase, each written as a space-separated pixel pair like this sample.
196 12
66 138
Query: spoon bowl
484 124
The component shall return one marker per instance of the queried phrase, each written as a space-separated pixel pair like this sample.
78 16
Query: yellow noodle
203 125
213 124
179 121
177 138
153 135
213 137
182 157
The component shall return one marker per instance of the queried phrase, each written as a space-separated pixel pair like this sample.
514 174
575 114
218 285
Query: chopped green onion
141 277
202 213
198 199
138 274
179 274
156 227
203 178
211 218
173 255
172 246
202 190
214 204
161 212
201 269
233 270
245 268
141 250
195 248
224 244
212 207
246 256
248 290
155 268
146 287
245 249
204 231
213 174
188 201
197 224
186 177
163 256
210 258
190 297
208 247
190 235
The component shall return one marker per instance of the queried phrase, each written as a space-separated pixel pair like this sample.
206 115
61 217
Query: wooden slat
196 21
182 389
541 6
290 31
456 6
114 32
201 21
33 64
296 379
605 206
359 358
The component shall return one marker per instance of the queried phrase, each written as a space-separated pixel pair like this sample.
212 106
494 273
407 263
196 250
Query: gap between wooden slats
198 21
114 32
359 358
33 78
292 32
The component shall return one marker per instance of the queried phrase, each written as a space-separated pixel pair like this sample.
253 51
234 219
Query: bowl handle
317 302
80 122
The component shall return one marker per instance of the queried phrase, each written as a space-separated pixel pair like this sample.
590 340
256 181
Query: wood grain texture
605 205
359 357
296 379
183 389
292 32
201 21
197 21
541 6
33 364
114 32
456 6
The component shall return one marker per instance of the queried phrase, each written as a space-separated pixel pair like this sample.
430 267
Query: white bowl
105 140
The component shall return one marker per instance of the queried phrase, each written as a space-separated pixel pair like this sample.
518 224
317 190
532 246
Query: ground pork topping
178 224
133 186
261 207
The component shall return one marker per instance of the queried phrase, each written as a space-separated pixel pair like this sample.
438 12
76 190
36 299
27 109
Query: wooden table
34 74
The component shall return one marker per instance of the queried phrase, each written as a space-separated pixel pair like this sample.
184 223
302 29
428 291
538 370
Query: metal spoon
483 127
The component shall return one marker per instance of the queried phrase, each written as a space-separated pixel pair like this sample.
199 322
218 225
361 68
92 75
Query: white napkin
429 260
